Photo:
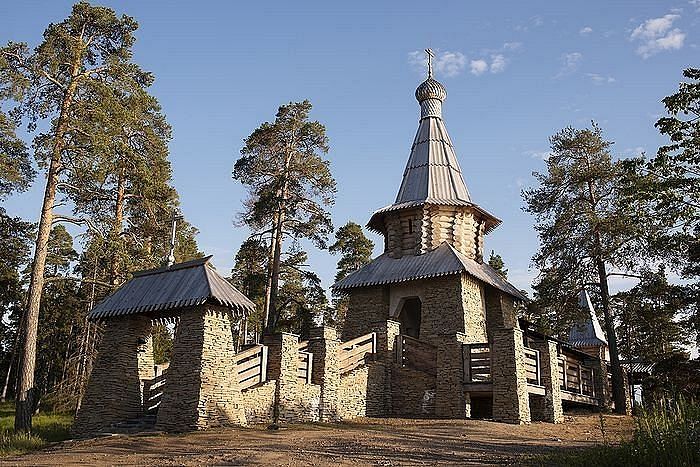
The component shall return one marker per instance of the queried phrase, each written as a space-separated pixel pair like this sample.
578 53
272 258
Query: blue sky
515 72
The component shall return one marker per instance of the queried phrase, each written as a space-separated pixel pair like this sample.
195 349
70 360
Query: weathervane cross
430 54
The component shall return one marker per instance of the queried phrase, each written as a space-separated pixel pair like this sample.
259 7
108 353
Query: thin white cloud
586 30
600 79
498 63
478 67
450 63
515 45
570 63
537 154
656 35
445 63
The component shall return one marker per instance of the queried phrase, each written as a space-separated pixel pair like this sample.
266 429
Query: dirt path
367 442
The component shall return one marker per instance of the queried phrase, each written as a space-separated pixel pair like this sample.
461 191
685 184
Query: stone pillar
201 388
323 344
114 390
386 339
282 366
510 397
450 401
600 384
551 409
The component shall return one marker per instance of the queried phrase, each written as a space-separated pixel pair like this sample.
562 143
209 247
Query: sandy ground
365 442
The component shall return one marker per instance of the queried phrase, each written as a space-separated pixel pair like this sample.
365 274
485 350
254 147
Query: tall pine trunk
618 380
117 228
26 392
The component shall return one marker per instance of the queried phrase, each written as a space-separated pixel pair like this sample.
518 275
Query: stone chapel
432 277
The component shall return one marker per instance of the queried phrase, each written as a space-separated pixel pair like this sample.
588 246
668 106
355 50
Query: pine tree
649 323
588 230
249 275
355 251
58 88
496 262
290 187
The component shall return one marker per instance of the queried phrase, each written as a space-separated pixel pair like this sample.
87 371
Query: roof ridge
184 265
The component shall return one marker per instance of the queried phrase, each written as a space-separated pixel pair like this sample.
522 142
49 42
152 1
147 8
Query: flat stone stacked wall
114 391
412 393
364 392
324 345
510 396
258 402
367 305
548 408
201 390
450 399
296 401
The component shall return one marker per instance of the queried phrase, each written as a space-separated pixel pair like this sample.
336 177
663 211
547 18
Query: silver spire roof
432 174
587 332
432 171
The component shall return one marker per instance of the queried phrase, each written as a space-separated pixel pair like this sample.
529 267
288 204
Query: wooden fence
532 366
353 353
153 392
306 360
477 363
251 366
575 377
416 354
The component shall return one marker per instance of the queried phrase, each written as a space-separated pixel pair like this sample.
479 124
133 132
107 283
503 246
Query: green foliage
583 219
355 251
16 171
354 247
249 275
283 167
162 344
47 428
647 318
290 188
496 262
663 437
673 375
302 299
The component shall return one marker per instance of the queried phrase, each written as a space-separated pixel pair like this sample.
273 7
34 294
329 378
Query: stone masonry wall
113 392
450 401
550 405
368 305
474 310
296 401
258 402
324 345
510 397
412 393
363 392
201 390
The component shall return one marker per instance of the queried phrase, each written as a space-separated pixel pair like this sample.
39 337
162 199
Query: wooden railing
576 377
251 366
532 366
153 392
353 353
413 353
477 363
306 360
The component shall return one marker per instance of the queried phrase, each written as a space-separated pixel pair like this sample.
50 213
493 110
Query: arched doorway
410 316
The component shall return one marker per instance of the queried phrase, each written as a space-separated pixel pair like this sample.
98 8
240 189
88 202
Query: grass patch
46 428
667 436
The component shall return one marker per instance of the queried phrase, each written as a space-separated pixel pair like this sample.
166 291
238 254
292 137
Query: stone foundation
201 390
510 397
114 391
550 409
